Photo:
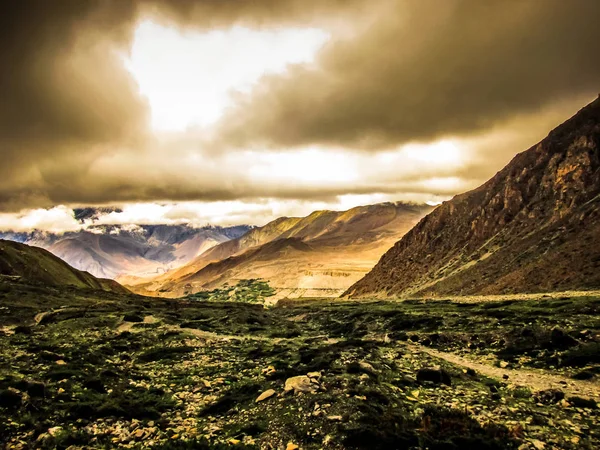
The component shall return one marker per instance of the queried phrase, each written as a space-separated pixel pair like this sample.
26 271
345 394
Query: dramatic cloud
425 69
390 100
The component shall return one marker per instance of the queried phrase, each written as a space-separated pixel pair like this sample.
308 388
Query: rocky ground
98 370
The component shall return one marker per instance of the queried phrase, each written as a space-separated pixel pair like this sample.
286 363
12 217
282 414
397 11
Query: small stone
269 370
60 362
503 364
549 396
539 445
436 376
10 398
334 418
291 446
138 434
54 431
366 367
265 395
37 390
300 383
580 402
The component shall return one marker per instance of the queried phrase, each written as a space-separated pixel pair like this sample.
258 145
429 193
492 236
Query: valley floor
97 370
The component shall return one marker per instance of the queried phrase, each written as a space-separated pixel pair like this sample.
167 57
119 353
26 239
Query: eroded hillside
532 228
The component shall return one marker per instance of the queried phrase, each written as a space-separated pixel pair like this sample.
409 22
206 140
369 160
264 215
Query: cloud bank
370 116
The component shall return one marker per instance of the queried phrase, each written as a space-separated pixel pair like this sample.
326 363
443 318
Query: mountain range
141 250
321 254
533 227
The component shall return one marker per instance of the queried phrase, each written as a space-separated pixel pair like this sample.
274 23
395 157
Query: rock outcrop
533 227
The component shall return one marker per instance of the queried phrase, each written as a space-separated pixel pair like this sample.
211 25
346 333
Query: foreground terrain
94 369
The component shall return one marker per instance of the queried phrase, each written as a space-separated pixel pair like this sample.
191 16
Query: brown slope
244 266
344 246
533 227
39 266
253 238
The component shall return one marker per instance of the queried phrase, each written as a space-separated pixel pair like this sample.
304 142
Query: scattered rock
22 329
133 318
471 372
54 431
300 383
436 376
367 367
549 396
10 398
95 384
580 402
270 370
584 375
265 395
560 339
539 445
36 390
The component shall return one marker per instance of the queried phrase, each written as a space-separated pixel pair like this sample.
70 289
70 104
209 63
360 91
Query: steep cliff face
533 227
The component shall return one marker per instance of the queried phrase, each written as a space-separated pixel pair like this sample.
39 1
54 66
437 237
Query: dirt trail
40 316
535 380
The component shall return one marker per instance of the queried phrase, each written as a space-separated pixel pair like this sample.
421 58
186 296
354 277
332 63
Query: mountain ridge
343 246
491 240
39 266
109 251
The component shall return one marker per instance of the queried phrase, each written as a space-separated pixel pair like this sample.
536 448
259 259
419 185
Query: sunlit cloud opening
188 77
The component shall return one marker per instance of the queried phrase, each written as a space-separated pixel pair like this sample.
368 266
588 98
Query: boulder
300 383
436 376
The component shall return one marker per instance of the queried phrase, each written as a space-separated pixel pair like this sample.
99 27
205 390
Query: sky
229 112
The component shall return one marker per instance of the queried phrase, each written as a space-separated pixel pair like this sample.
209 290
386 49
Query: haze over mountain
534 227
139 250
320 254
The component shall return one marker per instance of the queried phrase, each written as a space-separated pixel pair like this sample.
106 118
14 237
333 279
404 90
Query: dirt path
40 316
535 380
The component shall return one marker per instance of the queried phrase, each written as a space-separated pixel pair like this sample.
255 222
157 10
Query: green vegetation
105 370
248 291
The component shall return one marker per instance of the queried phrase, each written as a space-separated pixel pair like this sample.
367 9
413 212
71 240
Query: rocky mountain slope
317 255
38 266
113 250
534 227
